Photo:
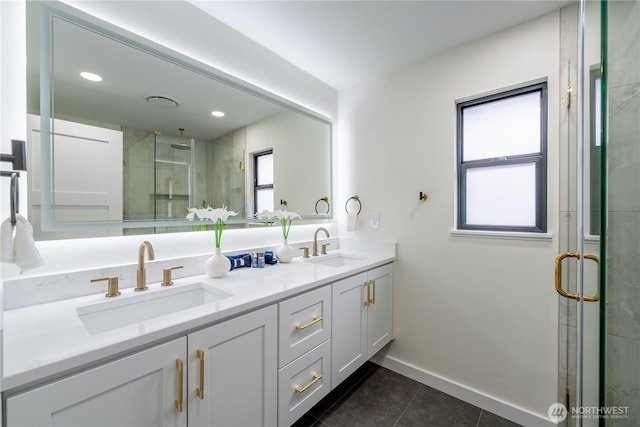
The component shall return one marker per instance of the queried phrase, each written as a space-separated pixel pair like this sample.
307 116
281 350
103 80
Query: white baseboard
474 397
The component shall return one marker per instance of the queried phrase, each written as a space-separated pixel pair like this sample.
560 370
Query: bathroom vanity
260 346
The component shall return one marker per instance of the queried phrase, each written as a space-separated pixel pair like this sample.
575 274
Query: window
501 159
263 181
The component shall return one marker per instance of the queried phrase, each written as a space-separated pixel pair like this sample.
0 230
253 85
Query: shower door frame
580 373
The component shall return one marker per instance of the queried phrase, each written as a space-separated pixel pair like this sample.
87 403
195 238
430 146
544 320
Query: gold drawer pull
315 320
316 378
180 368
200 388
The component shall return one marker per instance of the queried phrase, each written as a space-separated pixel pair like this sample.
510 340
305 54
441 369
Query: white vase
284 252
217 265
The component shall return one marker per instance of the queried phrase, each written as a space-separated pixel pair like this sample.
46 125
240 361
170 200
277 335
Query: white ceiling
345 43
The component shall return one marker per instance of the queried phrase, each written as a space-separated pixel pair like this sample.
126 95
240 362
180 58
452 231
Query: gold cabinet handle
373 301
200 388
180 368
316 378
368 300
315 320
370 284
558 276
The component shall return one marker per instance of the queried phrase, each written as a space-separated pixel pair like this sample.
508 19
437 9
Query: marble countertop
45 341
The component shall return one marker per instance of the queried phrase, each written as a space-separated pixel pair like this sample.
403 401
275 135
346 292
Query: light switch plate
374 221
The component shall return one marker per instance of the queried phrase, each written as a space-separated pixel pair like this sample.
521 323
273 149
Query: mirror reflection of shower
174 177
162 182
181 145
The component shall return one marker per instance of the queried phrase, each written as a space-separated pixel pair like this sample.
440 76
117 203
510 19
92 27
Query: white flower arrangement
217 215
285 218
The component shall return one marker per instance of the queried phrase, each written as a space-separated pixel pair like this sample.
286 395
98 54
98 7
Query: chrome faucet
315 239
141 284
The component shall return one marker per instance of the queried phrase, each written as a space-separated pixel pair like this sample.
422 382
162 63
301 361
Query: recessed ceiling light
217 114
90 76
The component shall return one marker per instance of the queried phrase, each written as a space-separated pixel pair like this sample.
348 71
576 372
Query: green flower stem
218 226
286 225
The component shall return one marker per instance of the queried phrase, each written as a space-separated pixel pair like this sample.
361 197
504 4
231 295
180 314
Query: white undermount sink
335 260
121 311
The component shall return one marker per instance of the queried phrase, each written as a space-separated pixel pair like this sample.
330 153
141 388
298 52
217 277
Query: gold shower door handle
558 276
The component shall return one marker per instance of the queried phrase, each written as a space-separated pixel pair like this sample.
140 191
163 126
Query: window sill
505 235
589 238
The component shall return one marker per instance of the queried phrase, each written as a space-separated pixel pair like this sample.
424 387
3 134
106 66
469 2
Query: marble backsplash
23 292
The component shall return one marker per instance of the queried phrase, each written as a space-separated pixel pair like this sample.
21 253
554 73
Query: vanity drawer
304 323
303 383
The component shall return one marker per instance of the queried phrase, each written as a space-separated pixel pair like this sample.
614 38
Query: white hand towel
26 254
6 242
352 222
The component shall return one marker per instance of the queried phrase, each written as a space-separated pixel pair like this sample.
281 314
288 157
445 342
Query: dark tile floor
377 397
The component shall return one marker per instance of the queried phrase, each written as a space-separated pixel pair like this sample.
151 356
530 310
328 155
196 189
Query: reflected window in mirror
595 149
263 181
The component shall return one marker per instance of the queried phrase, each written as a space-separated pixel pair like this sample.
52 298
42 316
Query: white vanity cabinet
140 389
362 319
230 369
304 337
266 367
233 372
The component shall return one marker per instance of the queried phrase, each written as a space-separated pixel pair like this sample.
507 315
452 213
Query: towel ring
326 200
14 198
357 199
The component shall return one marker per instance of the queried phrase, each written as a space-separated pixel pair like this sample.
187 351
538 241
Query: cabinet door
349 333
137 390
233 372
380 310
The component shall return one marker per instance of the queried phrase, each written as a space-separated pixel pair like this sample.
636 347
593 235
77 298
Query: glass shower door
620 176
173 177
599 352
577 267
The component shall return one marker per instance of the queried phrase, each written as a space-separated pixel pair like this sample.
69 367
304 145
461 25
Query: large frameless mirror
128 148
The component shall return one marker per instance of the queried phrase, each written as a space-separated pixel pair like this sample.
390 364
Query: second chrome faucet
141 282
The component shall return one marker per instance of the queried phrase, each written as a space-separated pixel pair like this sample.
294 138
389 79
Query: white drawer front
303 383
305 322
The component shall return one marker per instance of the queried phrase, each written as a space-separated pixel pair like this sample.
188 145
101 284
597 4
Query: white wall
13 93
479 313
300 182
13 103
